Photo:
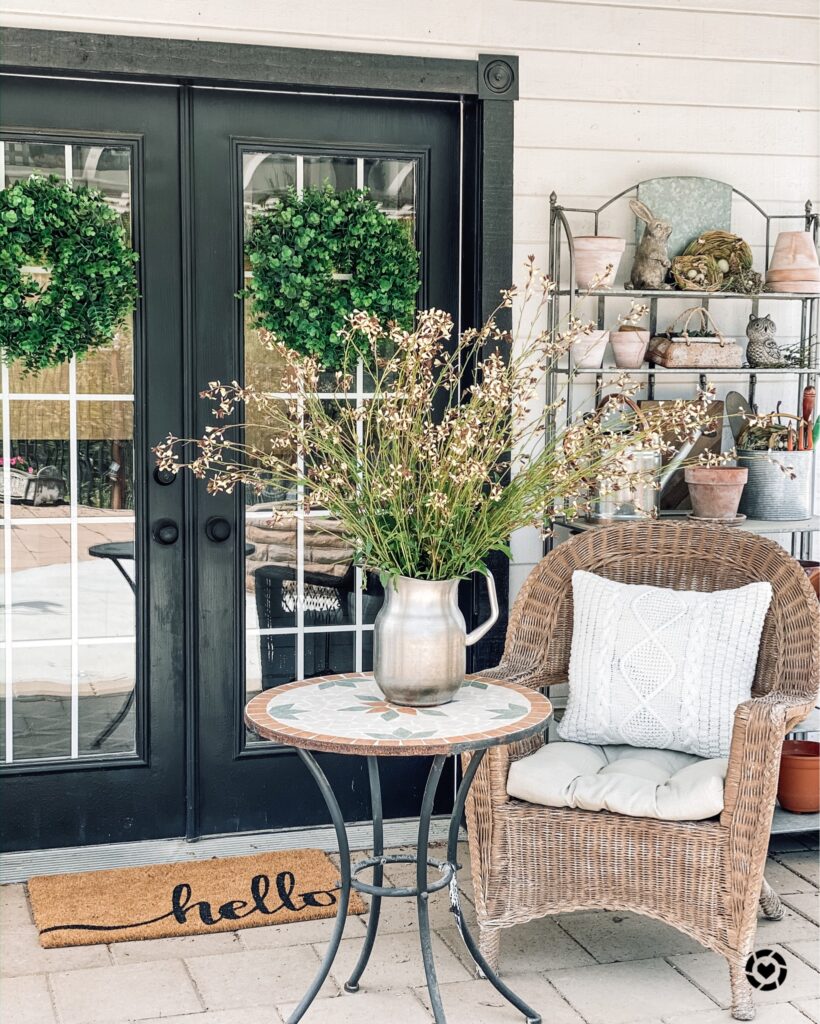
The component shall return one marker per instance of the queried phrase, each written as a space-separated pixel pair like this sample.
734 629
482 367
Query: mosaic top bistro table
347 714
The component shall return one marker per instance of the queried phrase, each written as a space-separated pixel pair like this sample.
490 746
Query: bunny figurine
652 263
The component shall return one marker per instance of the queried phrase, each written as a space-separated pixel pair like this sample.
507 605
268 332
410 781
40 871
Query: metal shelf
764 526
679 293
785 822
663 371
561 263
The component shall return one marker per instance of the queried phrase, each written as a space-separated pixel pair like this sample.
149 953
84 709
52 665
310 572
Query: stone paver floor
598 968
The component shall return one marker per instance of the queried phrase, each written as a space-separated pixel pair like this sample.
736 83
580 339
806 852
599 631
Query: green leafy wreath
296 251
74 234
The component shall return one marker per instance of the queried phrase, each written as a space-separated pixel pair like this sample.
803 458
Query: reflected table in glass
348 714
119 552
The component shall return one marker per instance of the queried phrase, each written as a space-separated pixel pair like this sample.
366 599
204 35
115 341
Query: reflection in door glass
306 611
265 177
22 159
67 489
392 184
337 171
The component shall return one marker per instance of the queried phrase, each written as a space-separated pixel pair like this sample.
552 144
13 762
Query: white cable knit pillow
660 668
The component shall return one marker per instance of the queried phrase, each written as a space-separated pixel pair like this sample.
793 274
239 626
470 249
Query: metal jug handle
479 631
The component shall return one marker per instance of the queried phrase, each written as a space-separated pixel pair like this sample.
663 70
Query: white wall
612 91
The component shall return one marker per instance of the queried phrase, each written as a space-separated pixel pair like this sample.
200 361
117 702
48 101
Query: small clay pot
629 347
715 490
593 253
798 788
588 350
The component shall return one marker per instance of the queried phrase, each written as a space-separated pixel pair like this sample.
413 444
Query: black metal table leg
344 895
455 904
352 984
423 889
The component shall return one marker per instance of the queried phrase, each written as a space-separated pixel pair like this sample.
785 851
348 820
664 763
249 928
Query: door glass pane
392 185
340 172
306 614
67 493
107 708
22 159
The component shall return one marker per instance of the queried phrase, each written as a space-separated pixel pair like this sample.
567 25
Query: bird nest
733 258
697 273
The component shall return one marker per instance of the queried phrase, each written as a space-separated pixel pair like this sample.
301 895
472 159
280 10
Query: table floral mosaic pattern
349 710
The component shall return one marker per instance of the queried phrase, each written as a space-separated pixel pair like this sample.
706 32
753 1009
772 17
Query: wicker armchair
703 877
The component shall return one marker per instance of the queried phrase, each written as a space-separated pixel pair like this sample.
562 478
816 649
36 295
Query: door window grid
405 170
74 641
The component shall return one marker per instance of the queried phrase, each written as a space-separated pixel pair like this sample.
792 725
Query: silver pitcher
420 641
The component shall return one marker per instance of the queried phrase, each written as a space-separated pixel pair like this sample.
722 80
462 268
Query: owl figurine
762 350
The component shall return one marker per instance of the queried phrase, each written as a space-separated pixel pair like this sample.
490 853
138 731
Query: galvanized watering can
636 501
420 640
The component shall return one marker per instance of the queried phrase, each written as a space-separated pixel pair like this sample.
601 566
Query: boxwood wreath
79 239
295 248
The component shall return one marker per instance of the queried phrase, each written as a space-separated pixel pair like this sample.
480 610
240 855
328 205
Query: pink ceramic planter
588 350
593 253
629 348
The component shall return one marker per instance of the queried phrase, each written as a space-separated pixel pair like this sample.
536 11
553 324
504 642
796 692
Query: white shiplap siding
611 92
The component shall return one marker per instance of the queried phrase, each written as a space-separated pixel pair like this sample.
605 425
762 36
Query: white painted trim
18 867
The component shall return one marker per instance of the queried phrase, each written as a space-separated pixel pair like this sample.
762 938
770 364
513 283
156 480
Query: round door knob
164 477
165 531
217 529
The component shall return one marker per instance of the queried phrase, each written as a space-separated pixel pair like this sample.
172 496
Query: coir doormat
191 898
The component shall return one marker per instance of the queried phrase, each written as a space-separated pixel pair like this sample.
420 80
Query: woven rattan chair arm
750 791
523 674
754 757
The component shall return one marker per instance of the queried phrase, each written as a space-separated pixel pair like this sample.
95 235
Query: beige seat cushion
641 782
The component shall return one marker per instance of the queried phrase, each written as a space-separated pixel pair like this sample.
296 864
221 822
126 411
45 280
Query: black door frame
487 87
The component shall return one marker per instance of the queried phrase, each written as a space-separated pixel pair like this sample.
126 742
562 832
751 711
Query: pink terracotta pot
794 250
715 490
593 253
629 347
588 350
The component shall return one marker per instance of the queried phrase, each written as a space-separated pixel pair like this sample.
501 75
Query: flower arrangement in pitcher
444 456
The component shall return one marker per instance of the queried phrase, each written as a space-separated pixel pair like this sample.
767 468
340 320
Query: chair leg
489 943
770 903
742 1006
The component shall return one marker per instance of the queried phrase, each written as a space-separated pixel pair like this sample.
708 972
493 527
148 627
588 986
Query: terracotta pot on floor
798 789
715 490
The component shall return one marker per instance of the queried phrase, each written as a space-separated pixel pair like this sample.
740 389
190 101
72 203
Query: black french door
132 631
93 659
295 608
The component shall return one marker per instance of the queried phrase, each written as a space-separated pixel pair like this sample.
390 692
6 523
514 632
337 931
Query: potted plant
779 459
434 472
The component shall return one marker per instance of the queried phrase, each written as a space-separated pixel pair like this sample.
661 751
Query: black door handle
217 529
165 531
